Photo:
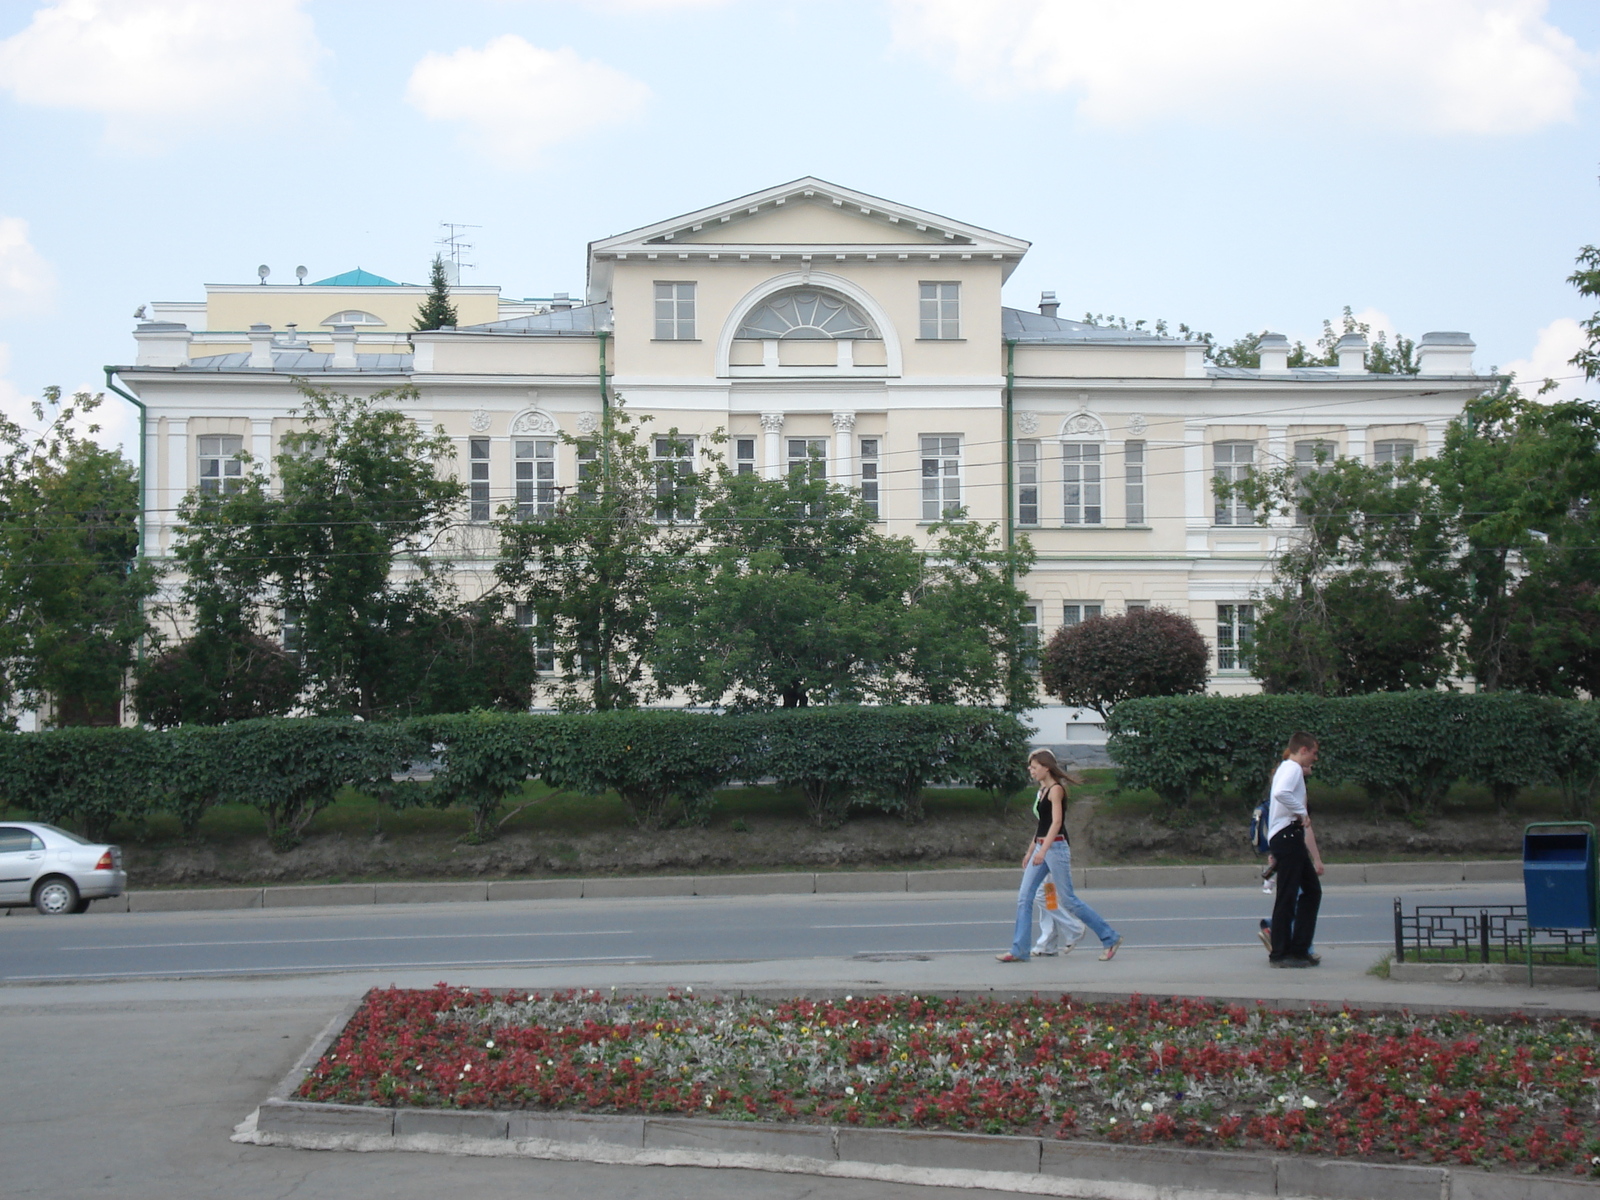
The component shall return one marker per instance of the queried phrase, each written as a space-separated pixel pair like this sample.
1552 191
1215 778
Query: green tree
590 569
72 585
436 311
966 640
356 496
213 678
795 599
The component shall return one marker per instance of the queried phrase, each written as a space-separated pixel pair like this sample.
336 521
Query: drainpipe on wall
1011 384
144 419
605 477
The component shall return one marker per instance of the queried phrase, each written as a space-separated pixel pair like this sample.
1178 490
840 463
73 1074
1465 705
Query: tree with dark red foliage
1103 661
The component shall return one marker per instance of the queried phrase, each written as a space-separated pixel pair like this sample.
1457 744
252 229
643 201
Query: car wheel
55 896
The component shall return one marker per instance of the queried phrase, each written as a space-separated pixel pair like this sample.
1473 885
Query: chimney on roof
1274 351
1445 354
162 344
344 348
1048 304
560 302
261 345
1352 351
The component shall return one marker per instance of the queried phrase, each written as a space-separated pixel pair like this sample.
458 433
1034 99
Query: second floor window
1232 462
941 477
941 311
674 463
588 469
1392 454
869 477
221 469
1133 484
808 456
1310 458
1080 483
744 456
1027 483
536 477
675 312
1030 637
478 482
539 637
1236 636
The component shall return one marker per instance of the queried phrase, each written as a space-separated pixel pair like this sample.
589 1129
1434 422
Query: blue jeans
1058 866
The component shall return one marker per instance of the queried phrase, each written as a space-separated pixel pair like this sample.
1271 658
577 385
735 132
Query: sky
1238 165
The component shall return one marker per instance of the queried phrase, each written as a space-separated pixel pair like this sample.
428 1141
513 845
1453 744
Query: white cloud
158 70
13 405
1460 66
514 99
1551 358
26 281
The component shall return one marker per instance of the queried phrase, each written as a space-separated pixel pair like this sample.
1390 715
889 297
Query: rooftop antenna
263 271
300 273
454 248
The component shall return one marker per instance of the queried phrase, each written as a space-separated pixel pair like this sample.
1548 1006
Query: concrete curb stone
801 1141
193 901
451 1122
1504 973
798 883
306 895
577 1127
958 1151
643 885
535 889
1359 1181
973 879
1413 872
861 881
298 1116
1132 877
428 893
1160 1167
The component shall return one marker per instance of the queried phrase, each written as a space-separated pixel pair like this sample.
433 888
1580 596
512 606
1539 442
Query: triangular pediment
811 212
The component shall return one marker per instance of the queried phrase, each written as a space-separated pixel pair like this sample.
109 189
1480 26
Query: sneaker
1038 953
1265 934
1288 962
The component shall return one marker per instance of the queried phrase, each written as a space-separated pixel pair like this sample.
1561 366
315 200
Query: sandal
1111 950
1008 957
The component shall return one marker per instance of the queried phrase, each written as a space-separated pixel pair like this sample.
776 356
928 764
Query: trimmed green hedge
665 765
1406 746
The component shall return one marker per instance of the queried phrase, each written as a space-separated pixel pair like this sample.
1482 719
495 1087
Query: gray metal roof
583 320
1029 327
301 362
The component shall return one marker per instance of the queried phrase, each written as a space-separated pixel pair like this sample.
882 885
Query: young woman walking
1050 854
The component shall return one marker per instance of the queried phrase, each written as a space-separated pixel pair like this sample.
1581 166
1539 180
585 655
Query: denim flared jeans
1058 866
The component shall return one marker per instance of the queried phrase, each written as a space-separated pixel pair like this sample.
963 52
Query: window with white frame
1236 636
221 468
744 456
673 457
808 457
869 477
540 638
1075 612
674 312
941 311
1232 462
478 480
536 477
1392 453
291 634
1133 482
588 468
1030 637
1310 458
1027 483
353 316
1080 483
941 477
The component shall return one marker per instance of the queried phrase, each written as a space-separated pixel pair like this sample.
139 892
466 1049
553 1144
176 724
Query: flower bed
1482 1091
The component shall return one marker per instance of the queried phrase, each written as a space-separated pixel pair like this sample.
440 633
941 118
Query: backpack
1258 825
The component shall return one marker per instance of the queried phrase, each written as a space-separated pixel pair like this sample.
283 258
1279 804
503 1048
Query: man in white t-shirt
1294 851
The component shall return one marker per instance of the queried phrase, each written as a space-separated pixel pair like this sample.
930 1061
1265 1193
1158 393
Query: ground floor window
1076 612
1236 636
539 637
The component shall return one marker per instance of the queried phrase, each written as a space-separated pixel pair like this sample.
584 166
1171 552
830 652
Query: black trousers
1294 912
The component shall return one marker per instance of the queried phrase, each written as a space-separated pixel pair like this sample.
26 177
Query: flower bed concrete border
974 879
1037 1166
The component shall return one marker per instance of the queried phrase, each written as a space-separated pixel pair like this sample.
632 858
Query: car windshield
71 837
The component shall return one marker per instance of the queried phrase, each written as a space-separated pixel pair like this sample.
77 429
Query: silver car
55 871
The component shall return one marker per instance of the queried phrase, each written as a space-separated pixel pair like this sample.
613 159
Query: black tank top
1042 810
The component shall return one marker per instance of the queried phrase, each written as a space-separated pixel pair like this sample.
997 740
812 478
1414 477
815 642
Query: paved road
689 930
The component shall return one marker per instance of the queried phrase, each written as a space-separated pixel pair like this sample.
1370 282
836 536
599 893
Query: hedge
1409 747
665 765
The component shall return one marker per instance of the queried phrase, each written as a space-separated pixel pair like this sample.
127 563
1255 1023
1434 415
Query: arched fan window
353 316
806 313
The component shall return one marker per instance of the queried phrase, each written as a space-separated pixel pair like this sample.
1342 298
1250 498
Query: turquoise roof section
357 278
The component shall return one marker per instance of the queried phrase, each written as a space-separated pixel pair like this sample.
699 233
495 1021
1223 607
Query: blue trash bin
1558 875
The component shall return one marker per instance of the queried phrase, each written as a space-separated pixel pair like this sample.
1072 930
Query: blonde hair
1047 760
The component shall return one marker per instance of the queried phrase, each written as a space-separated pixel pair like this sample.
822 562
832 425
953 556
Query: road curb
1090 1170
779 883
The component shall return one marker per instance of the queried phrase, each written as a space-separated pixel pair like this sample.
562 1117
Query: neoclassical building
811 319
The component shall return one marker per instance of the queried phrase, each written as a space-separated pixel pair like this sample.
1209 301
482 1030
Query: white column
844 459
1355 439
1198 508
150 487
261 443
177 464
1279 454
772 457
1436 431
